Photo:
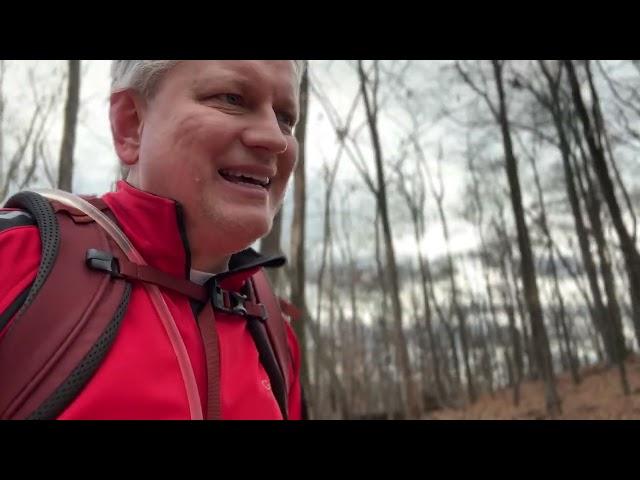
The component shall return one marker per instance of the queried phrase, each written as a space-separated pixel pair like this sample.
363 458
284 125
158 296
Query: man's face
217 137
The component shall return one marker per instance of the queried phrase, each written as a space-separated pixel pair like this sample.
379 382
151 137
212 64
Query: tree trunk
65 169
601 170
356 362
298 273
415 204
555 108
321 347
427 378
270 246
455 304
561 317
532 297
451 336
326 243
428 318
528 344
484 252
458 311
486 360
391 396
410 392
448 331
613 323
516 346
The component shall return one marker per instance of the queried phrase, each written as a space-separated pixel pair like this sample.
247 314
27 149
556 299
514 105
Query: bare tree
561 316
65 169
369 89
438 195
592 132
270 246
515 360
554 104
605 319
297 277
531 294
31 140
614 340
413 193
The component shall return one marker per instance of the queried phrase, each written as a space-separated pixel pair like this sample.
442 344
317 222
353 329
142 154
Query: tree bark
601 170
270 246
532 297
561 317
410 391
614 338
415 204
555 108
65 169
298 272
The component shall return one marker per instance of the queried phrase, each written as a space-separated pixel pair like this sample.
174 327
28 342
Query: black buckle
236 302
104 261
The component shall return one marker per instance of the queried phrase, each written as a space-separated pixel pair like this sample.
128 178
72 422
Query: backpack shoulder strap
68 321
275 325
14 218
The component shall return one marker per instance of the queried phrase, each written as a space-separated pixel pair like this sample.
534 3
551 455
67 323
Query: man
209 149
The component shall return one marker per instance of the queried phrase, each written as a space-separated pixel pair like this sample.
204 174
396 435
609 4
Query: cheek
176 155
288 162
192 137
285 170
197 134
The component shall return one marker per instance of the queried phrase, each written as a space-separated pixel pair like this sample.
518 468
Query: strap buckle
235 303
104 261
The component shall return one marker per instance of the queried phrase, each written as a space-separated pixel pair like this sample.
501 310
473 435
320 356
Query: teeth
264 181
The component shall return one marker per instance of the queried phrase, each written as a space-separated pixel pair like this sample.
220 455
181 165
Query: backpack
68 320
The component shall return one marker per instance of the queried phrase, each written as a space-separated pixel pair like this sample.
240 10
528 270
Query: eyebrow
236 79
241 81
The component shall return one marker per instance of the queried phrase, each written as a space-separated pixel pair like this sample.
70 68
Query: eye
287 120
232 99
229 99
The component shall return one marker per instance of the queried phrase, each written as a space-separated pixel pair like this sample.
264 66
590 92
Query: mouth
245 178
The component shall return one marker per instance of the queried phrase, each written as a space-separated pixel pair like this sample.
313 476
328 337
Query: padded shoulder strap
67 323
275 325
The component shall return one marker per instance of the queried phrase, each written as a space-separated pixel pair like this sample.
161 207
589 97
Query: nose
265 133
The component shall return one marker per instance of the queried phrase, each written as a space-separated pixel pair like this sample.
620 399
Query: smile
236 176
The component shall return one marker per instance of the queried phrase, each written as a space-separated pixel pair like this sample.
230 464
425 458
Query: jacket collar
155 226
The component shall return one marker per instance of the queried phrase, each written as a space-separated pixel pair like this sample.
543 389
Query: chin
244 231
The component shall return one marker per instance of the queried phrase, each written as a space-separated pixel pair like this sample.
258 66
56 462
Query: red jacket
140 377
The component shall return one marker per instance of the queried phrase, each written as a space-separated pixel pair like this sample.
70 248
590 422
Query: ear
126 117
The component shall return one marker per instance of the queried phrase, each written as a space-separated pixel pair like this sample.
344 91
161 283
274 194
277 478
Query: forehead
278 75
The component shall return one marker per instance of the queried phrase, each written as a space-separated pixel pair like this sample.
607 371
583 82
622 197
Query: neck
207 254
201 259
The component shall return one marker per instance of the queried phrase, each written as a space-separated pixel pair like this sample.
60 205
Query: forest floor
599 396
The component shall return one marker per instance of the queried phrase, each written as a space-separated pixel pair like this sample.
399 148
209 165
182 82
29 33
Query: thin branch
483 93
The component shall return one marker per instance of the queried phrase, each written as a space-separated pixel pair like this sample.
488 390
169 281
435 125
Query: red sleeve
20 258
295 392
